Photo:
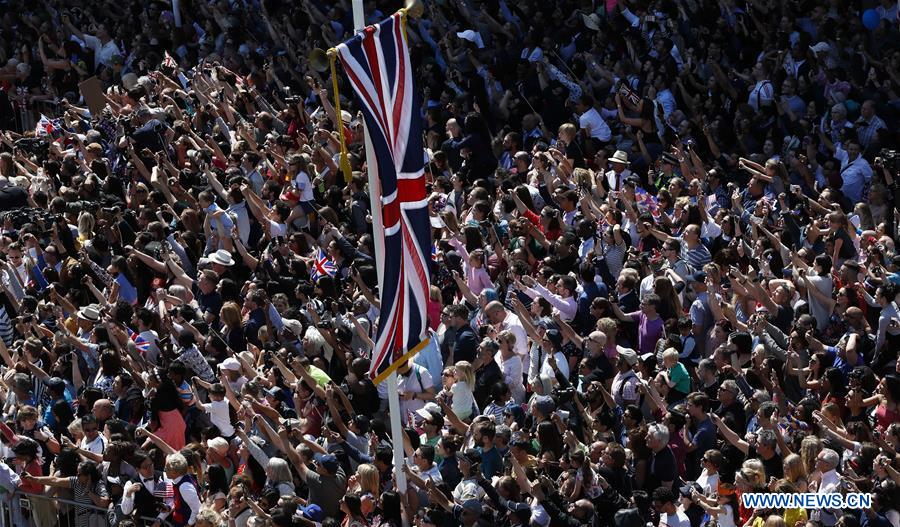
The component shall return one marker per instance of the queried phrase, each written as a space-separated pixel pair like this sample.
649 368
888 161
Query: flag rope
345 160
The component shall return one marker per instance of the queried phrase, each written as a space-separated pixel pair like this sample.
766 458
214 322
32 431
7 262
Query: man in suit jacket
147 495
465 346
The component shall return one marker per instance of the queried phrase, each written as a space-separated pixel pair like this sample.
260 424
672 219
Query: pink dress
171 429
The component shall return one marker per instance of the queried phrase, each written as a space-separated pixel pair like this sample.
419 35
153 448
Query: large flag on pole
377 63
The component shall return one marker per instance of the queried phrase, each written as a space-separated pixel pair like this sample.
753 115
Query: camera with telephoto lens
891 160
563 395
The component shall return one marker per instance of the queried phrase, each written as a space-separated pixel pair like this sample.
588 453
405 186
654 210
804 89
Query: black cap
471 456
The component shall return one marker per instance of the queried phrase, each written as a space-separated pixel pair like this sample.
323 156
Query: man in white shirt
184 489
416 387
103 46
763 92
618 172
590 121
826 463
504 320
669 513
856 172
93 440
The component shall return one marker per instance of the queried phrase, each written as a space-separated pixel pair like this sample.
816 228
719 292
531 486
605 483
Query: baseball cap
554 336
687 489
230 364
427 411
629 356
699 276
470 456
544 404
328 462
472 505
311 512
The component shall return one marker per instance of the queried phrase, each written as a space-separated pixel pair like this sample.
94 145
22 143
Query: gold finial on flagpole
318 60
414 8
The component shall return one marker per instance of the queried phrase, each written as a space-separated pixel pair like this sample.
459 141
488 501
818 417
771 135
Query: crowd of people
664 272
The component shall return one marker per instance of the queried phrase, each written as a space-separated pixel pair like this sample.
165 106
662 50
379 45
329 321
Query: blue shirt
589 291
491 462
430 357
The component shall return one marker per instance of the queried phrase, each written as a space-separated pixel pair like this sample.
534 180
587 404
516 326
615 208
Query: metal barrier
22 509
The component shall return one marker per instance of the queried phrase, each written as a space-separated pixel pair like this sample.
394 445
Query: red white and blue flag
48 126
377 63
323 266
139 342
647 201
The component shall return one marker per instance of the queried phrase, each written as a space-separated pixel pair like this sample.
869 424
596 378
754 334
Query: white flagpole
359 23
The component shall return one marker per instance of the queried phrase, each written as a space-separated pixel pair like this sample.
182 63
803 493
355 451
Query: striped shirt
697 257
867 132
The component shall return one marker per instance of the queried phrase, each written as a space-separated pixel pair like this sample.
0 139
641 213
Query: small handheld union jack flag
647 201
140 342
322 266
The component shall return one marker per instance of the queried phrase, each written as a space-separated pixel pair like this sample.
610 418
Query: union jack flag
647 201
142 344
377 63
47 126
322 267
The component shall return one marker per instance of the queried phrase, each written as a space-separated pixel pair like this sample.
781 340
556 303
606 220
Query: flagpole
359 23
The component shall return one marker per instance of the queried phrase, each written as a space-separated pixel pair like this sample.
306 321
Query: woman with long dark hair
351 506
110 367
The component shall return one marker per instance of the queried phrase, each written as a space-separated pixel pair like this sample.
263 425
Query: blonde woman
809 451
795 472
758 478
86 226
511 364
463 401
232 332
367 484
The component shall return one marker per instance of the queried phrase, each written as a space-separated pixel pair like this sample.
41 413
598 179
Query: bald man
103 410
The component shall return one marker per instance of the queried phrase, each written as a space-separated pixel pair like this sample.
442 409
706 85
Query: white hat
471 36
219 444
295 326
619 157
222 257
90 313
231 364
428 410
129 81
346 117
591 21
821 47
